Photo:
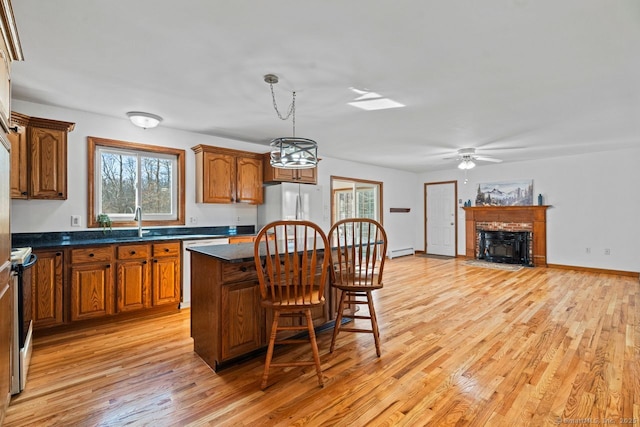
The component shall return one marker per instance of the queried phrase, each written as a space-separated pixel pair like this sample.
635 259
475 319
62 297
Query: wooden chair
358 255
292 271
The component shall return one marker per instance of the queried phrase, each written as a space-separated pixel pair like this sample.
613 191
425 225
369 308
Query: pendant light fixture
291 152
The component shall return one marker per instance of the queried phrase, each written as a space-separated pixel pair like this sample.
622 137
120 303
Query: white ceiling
517 79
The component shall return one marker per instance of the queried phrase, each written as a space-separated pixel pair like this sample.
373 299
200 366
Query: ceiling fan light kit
291 152
468 158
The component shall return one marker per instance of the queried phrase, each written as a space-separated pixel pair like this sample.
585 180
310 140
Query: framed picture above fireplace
508 193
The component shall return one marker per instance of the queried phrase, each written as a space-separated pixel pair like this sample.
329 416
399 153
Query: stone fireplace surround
508 218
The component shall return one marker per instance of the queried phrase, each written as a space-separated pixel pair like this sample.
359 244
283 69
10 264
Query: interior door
441 218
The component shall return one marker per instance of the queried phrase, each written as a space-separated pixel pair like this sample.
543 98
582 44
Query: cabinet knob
91 255
155 260
24 193
243 269
108 266
58 253
166 249
144 262
60 194
133 252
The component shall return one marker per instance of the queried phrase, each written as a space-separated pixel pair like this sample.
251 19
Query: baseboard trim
597 270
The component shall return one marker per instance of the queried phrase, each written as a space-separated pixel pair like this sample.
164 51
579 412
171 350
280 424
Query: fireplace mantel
536 215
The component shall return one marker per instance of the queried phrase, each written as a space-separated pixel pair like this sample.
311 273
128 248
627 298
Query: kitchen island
227 321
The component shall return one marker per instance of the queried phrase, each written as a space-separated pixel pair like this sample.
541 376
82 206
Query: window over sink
124 175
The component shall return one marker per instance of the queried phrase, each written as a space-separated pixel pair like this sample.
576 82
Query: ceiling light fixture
291 152
144 120
466 163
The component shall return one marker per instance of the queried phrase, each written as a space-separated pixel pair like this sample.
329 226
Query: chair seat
295 304
357 286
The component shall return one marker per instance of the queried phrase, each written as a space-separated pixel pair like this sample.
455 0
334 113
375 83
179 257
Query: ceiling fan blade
487 159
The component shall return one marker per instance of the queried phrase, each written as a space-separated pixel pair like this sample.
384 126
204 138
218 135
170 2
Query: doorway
355 198
441 218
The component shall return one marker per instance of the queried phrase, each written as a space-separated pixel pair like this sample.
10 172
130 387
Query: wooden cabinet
19 161
47 289
228 176
133 287
76 284
165 281
91 283
39 164
277 175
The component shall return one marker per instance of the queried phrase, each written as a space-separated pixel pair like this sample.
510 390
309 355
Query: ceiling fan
468 157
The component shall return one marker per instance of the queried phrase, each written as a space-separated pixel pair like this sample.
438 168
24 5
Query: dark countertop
98 237
240 252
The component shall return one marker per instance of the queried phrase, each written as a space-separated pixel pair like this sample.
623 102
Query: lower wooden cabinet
132 278
244 332
47 289
92 290
165 280
82 283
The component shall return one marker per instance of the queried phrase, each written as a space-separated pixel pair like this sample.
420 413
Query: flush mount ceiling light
291 152
144 120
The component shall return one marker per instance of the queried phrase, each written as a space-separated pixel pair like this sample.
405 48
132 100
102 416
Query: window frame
95 143
355 182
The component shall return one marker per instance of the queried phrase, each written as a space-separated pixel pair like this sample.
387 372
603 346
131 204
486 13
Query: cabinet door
48 163
249 184
91 291
219 178
5 85
242 319
307 176
19 153
132 285
46 284
165 281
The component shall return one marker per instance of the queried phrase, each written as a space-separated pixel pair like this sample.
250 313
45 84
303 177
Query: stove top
20 255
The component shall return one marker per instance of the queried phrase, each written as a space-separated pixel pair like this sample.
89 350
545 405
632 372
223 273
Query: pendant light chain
290 113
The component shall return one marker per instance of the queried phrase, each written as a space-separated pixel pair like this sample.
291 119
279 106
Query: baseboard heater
394 253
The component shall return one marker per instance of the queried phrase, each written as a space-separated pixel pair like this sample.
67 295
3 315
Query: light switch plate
76 220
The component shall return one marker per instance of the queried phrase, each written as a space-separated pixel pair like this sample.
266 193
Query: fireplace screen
510 247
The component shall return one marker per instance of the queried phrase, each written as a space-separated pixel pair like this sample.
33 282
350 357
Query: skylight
372 101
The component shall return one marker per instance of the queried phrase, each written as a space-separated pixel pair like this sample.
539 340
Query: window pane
118 182
156 185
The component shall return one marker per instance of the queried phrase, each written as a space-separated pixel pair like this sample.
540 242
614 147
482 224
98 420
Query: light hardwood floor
461 345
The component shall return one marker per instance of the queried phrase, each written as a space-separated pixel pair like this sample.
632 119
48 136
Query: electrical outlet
607 251
193 220
76 220
238 219
588 250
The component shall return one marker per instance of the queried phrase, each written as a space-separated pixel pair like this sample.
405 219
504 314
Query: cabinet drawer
166 249
84 255
239 272
132 251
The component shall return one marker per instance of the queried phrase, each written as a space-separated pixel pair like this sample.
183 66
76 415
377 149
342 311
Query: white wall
594 201
55 215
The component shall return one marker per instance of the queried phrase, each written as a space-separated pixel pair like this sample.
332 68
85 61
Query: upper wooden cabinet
10 50
38 157
228 176
277 175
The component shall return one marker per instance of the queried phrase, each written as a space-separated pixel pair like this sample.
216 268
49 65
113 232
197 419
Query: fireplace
509 247
531 220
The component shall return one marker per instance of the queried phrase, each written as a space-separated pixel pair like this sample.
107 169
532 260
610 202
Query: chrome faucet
138 217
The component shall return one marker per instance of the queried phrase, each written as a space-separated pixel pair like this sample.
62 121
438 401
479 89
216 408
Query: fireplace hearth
509 247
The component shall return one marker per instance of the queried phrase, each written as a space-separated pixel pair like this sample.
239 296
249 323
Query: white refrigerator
291 201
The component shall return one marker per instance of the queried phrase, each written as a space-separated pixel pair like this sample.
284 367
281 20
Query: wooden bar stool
292 268
358 255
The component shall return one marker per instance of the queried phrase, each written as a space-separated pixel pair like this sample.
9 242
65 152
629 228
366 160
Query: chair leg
374 322
272 342
314 346
336 327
